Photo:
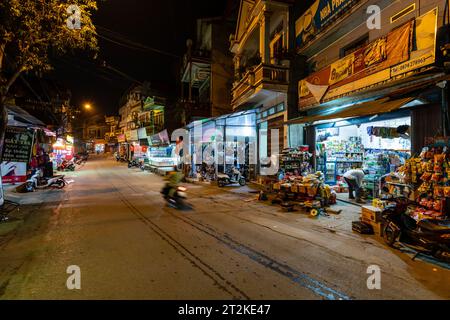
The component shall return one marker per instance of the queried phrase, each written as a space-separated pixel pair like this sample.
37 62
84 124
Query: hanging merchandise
425 180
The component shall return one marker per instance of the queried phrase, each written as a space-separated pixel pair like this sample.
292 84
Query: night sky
164 25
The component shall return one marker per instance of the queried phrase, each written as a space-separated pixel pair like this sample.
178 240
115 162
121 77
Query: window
276 48
272 111
264 114
280 107
355 45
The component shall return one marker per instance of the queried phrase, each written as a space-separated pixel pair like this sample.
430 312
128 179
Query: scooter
134 163
66 166
233 177
428 236
178 199
37 181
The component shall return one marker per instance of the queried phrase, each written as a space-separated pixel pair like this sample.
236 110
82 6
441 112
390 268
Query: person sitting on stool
354 178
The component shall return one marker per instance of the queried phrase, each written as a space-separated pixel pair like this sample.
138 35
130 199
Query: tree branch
7 86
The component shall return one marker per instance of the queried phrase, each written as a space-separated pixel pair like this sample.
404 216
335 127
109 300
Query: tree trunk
3 124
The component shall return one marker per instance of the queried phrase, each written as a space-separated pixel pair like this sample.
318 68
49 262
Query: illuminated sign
69 139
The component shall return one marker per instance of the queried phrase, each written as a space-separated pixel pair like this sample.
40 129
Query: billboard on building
318 16
404 49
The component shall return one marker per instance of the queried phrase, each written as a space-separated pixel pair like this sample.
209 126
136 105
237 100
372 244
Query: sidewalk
28 205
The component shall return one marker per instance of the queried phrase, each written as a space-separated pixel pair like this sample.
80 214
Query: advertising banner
319 15
161 138
14 172
406 48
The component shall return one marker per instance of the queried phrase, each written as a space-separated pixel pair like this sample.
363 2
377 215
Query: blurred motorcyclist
173 180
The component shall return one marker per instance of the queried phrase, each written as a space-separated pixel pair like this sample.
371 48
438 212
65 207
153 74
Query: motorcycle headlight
182 189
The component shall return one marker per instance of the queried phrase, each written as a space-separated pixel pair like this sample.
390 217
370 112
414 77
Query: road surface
112 223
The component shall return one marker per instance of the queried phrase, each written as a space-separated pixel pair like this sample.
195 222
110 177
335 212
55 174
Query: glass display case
162 157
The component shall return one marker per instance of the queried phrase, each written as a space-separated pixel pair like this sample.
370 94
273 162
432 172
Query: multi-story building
141 116
207 71
262 45
95 131
372 64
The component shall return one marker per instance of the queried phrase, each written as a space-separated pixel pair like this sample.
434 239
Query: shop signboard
161 138
14 172
380 61
17 144
318 16
132 135
142 133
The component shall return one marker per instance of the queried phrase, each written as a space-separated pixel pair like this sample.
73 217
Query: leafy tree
31 31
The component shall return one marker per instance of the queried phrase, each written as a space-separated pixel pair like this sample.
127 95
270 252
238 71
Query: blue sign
319 15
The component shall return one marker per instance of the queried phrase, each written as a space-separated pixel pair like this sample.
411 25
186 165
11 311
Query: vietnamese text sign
318 16
18 144
381 60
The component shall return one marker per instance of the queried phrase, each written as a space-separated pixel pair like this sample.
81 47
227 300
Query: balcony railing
268 77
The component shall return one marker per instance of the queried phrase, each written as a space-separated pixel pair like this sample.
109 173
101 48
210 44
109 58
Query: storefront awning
357 110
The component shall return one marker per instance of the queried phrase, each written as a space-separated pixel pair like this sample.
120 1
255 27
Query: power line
120 39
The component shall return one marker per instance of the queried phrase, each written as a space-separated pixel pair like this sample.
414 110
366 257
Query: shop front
218 144
378 147
160 153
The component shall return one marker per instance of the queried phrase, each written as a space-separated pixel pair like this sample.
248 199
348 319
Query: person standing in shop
354 178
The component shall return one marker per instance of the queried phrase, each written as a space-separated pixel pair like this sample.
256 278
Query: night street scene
225 150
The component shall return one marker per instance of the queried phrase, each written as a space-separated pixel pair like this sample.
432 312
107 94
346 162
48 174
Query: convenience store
379 147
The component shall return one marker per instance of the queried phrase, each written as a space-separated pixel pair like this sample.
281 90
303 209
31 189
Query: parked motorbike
134 164
66 166
178 199
37 181
81 158
233 177
428 236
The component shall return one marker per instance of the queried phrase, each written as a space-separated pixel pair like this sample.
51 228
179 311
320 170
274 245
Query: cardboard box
371 214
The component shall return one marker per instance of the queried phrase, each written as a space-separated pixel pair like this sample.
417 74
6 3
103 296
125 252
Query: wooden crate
378 227
371 213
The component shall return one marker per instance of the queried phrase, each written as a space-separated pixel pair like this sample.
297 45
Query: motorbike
233 177
134 163
37 181
66 166
81 158
428 236
120 158
178 199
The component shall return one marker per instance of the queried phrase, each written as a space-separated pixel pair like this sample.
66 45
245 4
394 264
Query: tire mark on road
196 261
317 287
300 278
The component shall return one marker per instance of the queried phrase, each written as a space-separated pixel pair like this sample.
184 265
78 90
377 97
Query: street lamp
87 106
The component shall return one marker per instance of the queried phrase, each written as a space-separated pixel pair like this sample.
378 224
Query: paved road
113 224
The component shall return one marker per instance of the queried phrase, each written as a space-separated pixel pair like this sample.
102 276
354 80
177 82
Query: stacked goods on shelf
296 160
379 163
340 156
425 180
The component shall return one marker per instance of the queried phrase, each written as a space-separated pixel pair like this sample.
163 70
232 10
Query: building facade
207 71
371 64
261 47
